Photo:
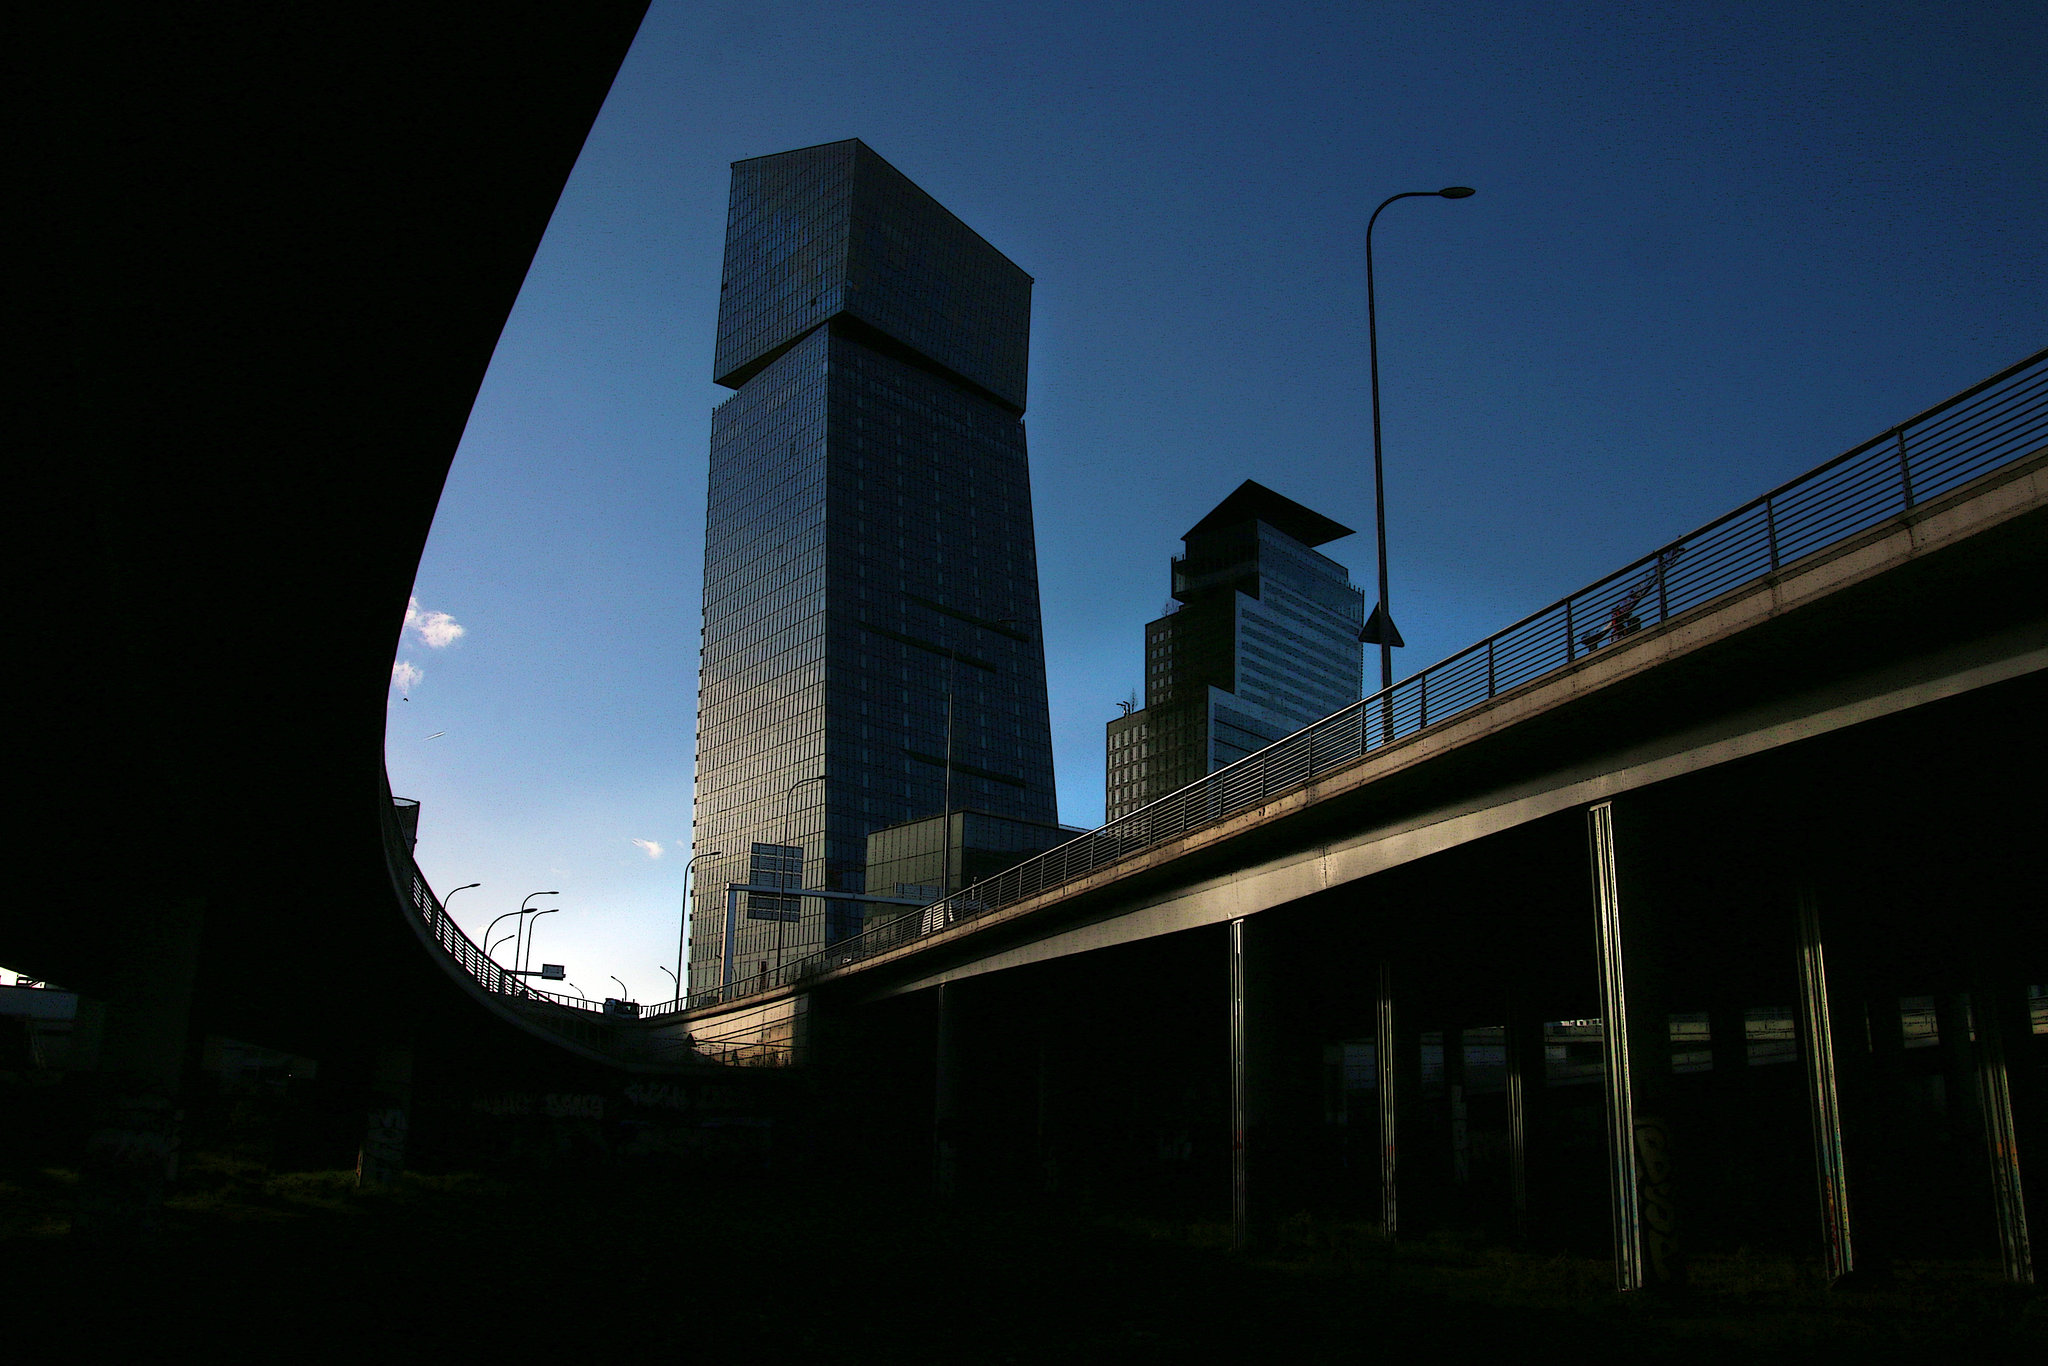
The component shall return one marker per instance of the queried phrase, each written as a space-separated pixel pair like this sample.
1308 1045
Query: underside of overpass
1819 796
270 251
1106 1076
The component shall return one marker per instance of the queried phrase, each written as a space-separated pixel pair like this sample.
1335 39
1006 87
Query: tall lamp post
1380 629
531 926
451 896
683 934
946 816
787 793
521 927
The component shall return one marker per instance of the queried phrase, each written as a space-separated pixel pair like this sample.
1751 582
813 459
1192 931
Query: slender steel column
1873 1092
1047 1164
1525 1080
2001 1134
1240 1230
1728 1042
1635 1010
1454 1096
1729 1133
1822 1091
1624 1192
1386 1056
946 1092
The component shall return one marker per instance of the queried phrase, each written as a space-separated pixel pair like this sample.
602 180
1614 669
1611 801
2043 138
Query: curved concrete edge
529 1018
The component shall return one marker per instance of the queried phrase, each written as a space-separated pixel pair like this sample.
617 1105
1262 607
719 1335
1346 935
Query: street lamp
624 995
451 896
946 816
522 923
683 935
1380 629
492 952
789 792
530 927
673 978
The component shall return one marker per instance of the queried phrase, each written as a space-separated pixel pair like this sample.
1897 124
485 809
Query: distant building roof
1254 500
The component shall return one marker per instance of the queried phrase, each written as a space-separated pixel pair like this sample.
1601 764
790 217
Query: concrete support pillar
1818 1049
1729 1143
1389 1081
131 1155
1454 1099
1728 1045
2003 1029
1873 1085
1240 1094
1636 1014
1043 1140
946 1092
1526 1080
1278 1144
381 1159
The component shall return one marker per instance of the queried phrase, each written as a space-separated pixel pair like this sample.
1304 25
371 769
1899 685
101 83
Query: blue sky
1712 245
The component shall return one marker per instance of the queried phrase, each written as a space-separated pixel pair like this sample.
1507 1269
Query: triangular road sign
1380 629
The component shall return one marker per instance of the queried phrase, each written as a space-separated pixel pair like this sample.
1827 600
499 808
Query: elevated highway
1789 763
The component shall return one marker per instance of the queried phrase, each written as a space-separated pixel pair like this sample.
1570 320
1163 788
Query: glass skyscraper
1263 639
871 625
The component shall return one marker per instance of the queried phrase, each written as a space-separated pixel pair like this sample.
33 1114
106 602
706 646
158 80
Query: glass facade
914 860
871 621
1262 639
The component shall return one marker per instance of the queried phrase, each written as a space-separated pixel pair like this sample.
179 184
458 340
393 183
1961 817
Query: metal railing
459 946
1993 423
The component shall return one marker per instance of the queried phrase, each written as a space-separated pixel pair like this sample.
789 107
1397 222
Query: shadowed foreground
250 1259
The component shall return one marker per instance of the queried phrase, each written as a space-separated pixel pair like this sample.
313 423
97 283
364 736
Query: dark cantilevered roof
1254 500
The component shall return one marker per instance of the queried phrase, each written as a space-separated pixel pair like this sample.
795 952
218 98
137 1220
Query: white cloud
405 676
435 629
652 848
